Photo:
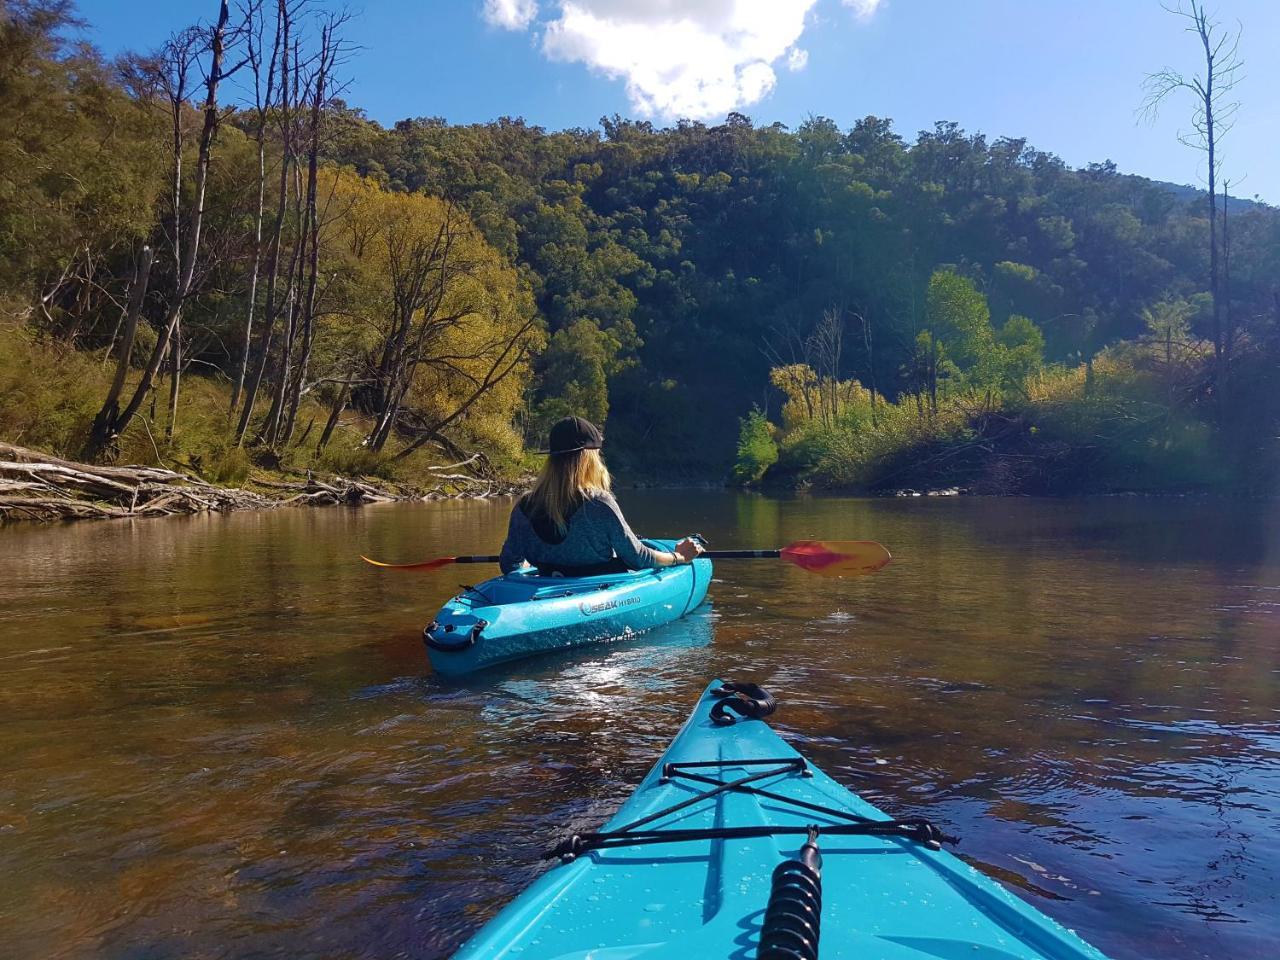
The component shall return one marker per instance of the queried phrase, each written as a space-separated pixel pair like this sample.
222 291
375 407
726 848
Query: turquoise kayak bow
735 846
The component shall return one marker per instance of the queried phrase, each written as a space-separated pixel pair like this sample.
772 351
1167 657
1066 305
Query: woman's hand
688 549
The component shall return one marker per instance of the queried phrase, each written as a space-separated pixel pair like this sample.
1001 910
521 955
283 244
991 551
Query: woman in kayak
569 523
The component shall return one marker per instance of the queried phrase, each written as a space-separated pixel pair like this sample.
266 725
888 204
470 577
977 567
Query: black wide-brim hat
573 434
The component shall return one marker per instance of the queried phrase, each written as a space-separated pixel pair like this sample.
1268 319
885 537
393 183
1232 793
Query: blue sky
1065 74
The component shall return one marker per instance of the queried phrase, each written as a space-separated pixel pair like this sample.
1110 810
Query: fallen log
461 463
48 508
34 486
58 475
124 474
275 484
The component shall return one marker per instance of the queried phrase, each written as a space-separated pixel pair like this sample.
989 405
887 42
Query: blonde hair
566 480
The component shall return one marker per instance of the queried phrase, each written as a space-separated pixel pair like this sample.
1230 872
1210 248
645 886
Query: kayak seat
592 570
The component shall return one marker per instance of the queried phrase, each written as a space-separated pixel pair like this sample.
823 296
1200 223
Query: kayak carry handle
744 698
793 918
468 639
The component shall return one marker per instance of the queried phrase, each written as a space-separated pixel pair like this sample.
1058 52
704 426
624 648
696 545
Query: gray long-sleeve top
596 534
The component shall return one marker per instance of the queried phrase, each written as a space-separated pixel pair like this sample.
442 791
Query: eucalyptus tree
1212 116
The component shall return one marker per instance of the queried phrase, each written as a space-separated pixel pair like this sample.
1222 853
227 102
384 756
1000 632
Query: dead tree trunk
334 413
871 364
284 23
100 435
183 51
175 376
262 104
308 313
1229 334
271 426
1211 118
115 425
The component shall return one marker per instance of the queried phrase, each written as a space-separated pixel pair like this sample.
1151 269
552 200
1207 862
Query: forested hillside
927 310
677 267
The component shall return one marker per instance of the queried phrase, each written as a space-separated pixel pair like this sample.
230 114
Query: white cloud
862 9
678 58
510 14
681 58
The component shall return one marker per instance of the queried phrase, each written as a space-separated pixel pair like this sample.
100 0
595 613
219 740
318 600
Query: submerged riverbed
220 737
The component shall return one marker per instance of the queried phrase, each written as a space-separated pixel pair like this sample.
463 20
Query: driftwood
159 474
462 463
37 486
340 490
450 486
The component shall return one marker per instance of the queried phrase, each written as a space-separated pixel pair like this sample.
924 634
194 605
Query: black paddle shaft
709 554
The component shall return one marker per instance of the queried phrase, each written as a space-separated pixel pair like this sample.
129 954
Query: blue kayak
523 613
734 846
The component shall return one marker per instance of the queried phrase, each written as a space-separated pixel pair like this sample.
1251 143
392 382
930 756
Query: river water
219 736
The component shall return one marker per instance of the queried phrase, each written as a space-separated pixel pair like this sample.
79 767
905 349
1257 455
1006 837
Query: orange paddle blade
837 558
424 565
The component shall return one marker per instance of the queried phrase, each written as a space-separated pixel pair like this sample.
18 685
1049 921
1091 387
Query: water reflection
221 738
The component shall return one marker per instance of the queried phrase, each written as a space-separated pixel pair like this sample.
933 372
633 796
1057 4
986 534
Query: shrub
346 457
49 392
756 450
227 464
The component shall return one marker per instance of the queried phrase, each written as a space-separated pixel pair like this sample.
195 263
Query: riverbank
186 459
1110 429
36 486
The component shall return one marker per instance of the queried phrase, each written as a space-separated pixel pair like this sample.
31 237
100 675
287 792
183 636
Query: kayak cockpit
521 587
526 612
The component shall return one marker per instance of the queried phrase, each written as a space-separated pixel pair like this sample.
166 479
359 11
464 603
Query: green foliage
350 458
1058 432
959 318
1117 434
479 325
691 246
48 391
576 361
670 274
756 450
1169 322
855 454
1021 346
227 464
79 168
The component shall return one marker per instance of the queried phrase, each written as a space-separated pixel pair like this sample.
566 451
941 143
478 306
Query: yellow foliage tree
433 325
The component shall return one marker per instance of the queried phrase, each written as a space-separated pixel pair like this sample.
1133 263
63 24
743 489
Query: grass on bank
1129 422
50 393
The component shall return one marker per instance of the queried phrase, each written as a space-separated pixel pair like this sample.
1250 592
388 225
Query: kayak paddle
827 558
